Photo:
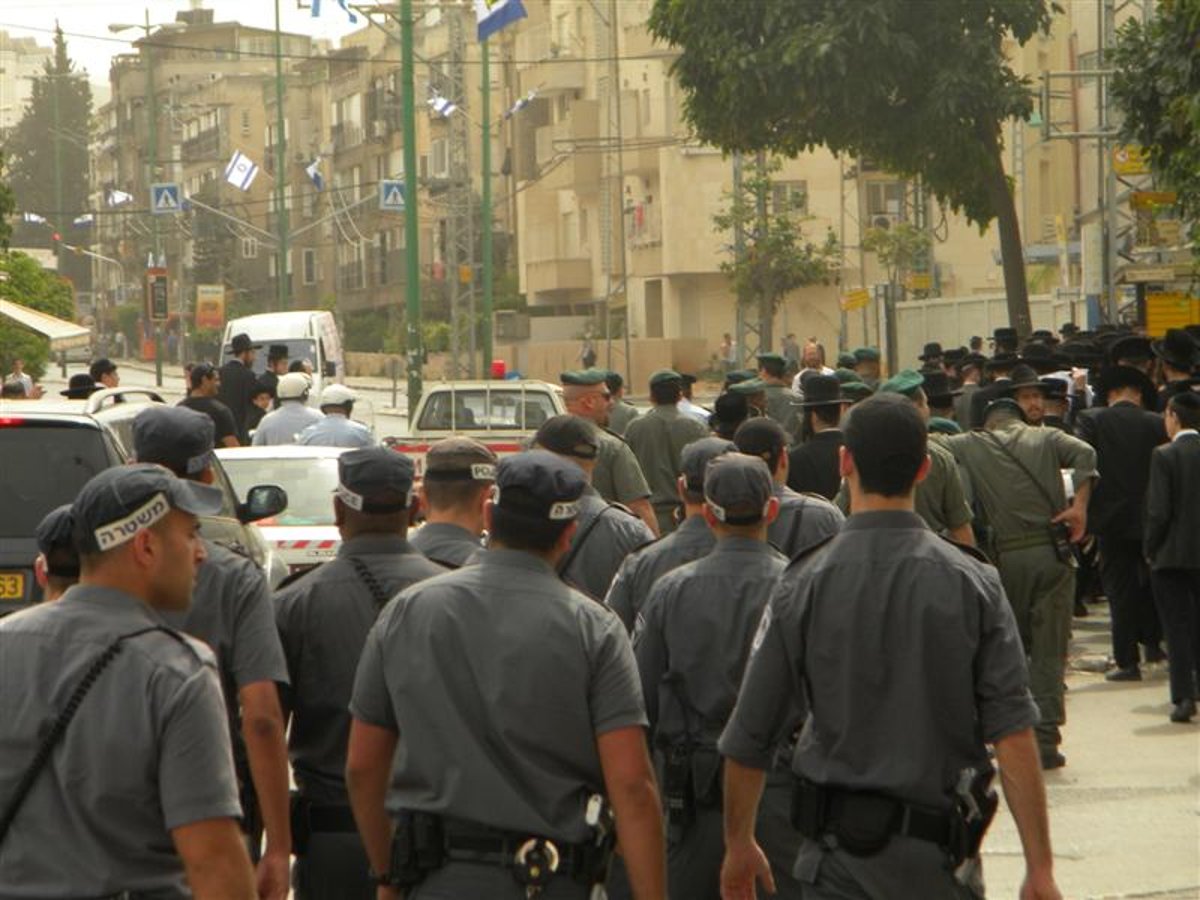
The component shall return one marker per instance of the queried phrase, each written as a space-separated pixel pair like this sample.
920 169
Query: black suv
50 448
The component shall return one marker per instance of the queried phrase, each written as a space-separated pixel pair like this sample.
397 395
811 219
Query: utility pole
152 139
485 211
58 192
412 265
281 214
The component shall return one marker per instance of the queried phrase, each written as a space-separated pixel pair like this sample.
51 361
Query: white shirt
283 426
824 370
1182 431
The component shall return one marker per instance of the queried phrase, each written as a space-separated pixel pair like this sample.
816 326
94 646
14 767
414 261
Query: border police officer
691 646
231 612
691 540
782 402
903 689
136 792
606 532
529 691
459 474
323 622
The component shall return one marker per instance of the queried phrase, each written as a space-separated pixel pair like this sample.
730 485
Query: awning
63 335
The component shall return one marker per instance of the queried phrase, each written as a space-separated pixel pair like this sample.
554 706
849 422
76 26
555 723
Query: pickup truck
501 414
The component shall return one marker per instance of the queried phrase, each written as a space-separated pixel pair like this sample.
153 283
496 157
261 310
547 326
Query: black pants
1177 592
334 868
1126 579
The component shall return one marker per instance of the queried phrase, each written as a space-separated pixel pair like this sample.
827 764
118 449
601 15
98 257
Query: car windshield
477 410
309 483
44 465
305 348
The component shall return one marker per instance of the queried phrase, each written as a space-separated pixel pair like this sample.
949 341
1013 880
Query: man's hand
385 892
272 876
744 865
1040 886
1076 518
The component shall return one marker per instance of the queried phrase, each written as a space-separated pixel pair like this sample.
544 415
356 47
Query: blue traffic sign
391 195
164 199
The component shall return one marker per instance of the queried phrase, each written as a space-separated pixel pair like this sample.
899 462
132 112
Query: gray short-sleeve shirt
604 537
499 678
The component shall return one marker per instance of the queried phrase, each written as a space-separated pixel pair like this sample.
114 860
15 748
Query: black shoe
1052 759
1081 610
1183 711
1154 654
1129 673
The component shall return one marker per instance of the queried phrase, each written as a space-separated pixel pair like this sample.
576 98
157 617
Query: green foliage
213 251
30 285
777 257
8 205
1157 88
919 88
900 248
127 319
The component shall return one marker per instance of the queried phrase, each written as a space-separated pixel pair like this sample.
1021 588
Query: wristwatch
378 879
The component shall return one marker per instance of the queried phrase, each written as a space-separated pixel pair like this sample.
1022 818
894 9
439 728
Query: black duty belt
467 843
863 822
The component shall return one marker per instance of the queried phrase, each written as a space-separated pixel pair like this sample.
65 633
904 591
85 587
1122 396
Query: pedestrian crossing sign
391 196
164 199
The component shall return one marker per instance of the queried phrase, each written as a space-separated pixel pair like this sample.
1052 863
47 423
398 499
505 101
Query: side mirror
329 370
262 502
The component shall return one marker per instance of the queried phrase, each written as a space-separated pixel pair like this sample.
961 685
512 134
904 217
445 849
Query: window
249 248
789 198
470 410
309 266
245 123
439 165
885 198
382 246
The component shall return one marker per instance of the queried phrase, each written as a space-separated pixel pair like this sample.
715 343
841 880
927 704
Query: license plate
12 586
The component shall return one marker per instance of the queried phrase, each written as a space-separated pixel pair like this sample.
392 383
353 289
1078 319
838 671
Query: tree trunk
766 303
1012 253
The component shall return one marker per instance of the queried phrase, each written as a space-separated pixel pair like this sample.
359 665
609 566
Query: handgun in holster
976 802
418 848
678 794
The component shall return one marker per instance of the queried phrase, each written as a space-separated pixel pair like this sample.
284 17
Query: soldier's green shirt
940 499
782 406
622 414
618 476
657 439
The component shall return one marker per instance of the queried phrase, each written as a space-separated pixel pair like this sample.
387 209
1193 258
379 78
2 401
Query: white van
307 333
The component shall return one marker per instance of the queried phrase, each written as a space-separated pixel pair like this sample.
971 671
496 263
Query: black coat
813 466
237 384
1172 511
1124 436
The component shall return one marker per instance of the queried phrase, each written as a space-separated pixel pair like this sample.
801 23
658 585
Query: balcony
345 135
205 145
550 64
558 275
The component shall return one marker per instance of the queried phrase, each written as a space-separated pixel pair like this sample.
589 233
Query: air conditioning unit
379 129
883 221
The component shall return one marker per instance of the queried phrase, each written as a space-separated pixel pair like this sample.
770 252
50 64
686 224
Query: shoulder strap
42 755
370 582
1054 510
569 557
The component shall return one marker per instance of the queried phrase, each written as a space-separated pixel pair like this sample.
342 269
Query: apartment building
21 60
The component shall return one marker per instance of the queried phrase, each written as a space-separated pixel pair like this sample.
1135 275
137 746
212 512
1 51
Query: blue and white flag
118 198
84 221
443 106
492 15
33 218
521 103
313 171
241 171
316 10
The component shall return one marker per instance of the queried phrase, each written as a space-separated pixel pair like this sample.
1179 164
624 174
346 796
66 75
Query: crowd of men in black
531 696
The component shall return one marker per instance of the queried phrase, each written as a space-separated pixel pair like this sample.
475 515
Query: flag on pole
316 10
118 198
443 106
33 218
521 103
84 221
492 15
313 171
241 171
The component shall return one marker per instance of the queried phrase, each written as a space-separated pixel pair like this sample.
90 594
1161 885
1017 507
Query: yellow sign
1152 199
919 281
12 586
853 300
1170 310
210 306
1129 159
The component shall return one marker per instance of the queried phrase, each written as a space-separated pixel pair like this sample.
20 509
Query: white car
304 534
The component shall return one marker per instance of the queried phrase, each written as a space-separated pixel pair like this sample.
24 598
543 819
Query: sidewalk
1125 811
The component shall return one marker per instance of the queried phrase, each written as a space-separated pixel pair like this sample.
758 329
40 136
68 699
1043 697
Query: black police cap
375 480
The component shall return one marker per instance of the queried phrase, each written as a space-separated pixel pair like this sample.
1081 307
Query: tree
918 88
28 284
900 248
776 258
48 158
1157 89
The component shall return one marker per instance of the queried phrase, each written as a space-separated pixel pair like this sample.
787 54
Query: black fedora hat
1040 357
80 387
241 343
1002 361
1045 335
1023 376
1056 388
1177 349
933 350
1113 378
823 390
1129 346
937 386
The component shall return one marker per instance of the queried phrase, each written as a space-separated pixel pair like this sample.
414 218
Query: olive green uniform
618 477
622 414
657 439
783 406
940 500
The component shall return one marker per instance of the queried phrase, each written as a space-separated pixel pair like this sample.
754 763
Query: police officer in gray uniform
906 687
57 565
135 795
691 540
606 532
323 621
691 648
231 612
459 474
804 519
509 702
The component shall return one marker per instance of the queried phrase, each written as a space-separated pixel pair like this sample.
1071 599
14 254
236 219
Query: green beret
749 386
583 377
846 361
845 376
662 376
939 425
739 375
866 354
856 391
904 382
770 358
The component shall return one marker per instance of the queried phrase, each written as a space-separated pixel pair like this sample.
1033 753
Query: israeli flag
84 221
520 104
241 171
313 171
316 10
493 15
442 106
118 198
33 218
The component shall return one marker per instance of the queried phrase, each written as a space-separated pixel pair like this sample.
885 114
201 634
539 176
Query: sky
90 43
